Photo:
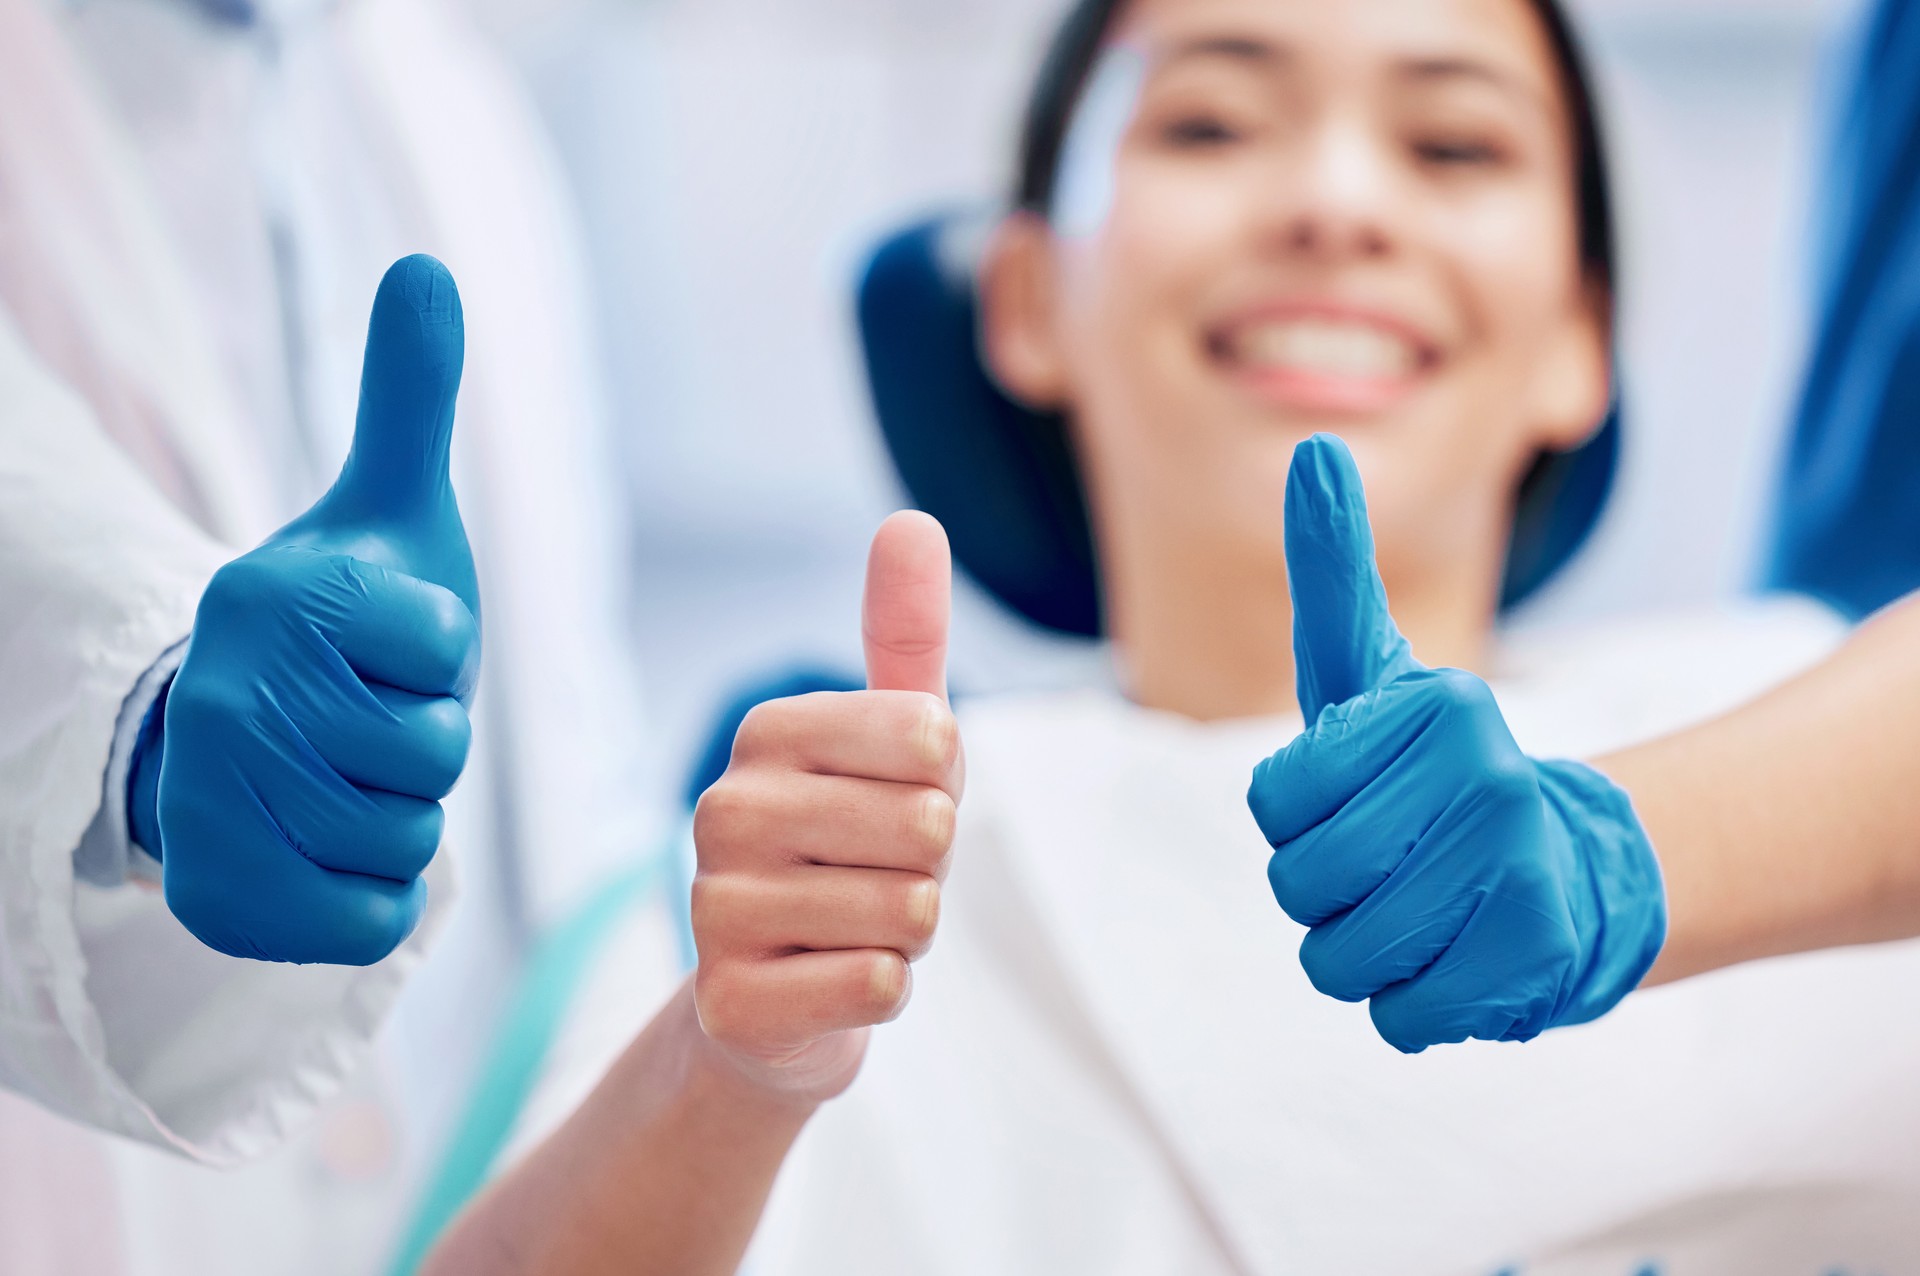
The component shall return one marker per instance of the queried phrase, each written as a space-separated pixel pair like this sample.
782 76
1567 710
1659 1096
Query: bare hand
823 848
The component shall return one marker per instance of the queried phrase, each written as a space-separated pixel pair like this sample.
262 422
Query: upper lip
1426 350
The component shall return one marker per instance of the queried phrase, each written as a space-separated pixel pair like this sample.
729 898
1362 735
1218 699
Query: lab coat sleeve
111 1014
108 854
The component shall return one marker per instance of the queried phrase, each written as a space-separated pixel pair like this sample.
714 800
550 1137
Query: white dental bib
1113 1063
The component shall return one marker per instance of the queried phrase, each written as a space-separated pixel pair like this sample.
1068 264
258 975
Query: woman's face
1283 216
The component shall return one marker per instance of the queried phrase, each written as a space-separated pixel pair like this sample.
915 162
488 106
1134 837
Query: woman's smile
1321 358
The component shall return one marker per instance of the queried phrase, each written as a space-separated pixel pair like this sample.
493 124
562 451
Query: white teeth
1328 348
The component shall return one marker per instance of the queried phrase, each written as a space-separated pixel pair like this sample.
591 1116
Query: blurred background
733 160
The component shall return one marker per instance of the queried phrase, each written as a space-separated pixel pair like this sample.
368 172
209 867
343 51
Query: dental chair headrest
1003 480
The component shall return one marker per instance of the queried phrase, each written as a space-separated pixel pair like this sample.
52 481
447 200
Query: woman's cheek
1135 288
1170 217
1517 255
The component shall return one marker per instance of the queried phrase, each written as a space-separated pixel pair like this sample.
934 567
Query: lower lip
1323 393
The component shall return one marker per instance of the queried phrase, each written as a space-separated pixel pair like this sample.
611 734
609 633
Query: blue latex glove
1465 888
291 785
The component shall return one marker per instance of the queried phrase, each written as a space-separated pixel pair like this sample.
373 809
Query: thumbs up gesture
822 848
1460 886
292 788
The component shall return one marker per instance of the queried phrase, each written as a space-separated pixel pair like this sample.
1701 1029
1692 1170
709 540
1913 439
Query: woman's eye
1457 153
1199 132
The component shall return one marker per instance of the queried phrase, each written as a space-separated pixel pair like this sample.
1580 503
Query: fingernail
925 905
937 818
936 735
888 980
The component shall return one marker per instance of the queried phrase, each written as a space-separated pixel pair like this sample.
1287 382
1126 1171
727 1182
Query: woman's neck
1209 635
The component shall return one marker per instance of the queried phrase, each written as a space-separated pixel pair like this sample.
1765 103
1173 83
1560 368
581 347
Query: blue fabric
236 13
1000 478
1003 480
291 788
711 762
1463 888
1848 526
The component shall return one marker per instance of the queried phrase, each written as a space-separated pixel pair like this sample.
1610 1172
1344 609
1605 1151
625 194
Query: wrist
143 777
665 1167
709 1074
1618 896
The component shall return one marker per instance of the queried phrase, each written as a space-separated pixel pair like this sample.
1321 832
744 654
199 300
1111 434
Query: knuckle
1509 777
1277 791
227 587
419 841
717 1002
1329 976
396 929
393 918
261 572
770 724
448 622
1461 694
381 927
250 584
1406 1031
710 816
1287 890
756 729
722 816
710 902
196 703
453 729
731 1010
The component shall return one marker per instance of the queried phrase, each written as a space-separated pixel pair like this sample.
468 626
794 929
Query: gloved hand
291 783
1465 888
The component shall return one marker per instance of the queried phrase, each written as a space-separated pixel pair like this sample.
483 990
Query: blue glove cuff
1621 915
143 777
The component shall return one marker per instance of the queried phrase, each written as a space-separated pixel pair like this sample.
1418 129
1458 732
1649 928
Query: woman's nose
1337 200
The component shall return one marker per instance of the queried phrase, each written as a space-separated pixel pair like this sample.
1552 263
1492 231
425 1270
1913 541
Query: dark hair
1076 51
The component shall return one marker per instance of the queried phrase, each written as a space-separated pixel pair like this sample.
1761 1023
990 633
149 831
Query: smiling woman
1240 222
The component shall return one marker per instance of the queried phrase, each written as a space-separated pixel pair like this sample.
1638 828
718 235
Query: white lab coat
192 219
1113 1063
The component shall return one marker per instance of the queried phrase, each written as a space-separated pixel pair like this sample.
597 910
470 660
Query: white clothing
1113 1063
193 217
